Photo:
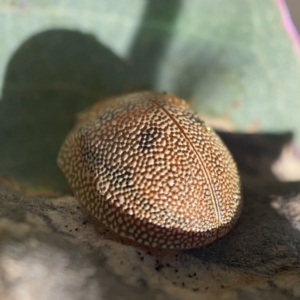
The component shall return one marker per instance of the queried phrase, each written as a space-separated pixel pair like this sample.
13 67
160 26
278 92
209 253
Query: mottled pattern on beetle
150 170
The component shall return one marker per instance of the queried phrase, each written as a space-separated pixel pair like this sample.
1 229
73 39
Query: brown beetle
146 167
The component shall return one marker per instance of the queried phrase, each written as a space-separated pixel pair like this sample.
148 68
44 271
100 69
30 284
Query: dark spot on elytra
110 114
193 117
90 156
121 177
147 138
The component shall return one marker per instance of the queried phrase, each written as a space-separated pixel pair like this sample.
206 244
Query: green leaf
232 59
